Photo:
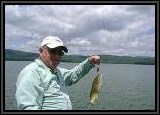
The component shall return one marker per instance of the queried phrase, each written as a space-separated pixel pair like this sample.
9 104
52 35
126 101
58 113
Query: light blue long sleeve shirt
40 88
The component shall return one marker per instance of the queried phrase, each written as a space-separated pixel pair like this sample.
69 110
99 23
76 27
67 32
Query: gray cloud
85 29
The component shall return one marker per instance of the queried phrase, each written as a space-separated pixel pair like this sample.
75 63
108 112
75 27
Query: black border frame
65 2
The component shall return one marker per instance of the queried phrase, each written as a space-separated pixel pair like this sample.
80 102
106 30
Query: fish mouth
100 76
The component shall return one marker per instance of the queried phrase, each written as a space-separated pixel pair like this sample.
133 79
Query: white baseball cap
53 42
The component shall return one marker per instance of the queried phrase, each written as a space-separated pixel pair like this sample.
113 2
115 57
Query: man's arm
73 75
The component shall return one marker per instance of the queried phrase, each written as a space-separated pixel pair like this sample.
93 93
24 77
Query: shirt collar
42 65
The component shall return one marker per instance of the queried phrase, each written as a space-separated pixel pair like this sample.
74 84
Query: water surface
124 87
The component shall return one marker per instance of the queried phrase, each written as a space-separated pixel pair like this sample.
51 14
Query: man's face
51 57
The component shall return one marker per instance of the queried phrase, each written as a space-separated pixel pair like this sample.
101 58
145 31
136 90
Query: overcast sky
84 29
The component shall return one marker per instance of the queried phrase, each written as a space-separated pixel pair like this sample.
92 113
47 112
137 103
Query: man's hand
94 59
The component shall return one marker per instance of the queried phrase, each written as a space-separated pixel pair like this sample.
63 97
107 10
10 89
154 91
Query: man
41 85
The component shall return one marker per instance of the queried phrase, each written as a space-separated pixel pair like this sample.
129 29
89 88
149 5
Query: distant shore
15 55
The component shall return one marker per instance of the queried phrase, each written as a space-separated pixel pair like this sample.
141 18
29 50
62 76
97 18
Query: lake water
124 87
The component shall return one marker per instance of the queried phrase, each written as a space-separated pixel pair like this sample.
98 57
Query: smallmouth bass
96 86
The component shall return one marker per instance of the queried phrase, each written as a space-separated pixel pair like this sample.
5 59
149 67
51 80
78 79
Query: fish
96 86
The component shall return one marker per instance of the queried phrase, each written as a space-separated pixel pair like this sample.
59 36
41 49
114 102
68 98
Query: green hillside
15 55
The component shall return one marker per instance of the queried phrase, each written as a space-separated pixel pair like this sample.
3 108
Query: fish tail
90 103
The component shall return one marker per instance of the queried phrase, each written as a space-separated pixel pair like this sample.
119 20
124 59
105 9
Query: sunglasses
56 51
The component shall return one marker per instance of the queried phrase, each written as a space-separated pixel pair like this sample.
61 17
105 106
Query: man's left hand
94 59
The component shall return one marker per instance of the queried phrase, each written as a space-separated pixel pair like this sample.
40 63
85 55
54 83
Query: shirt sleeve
29 91
72 76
